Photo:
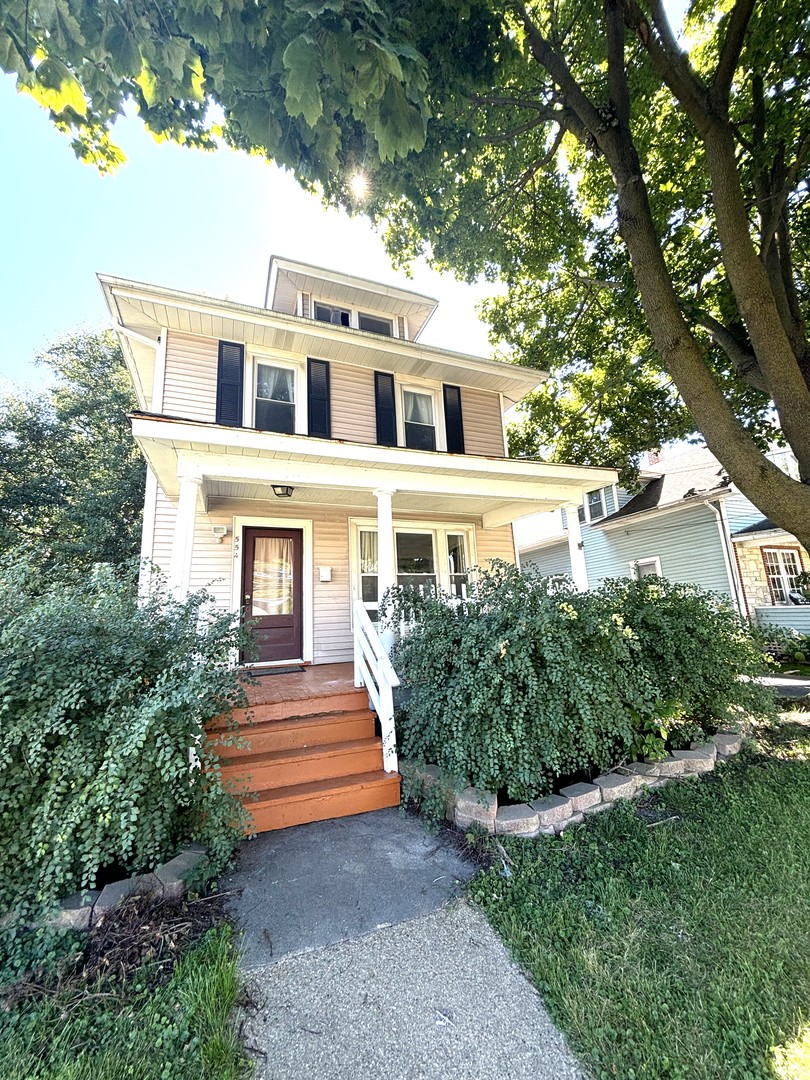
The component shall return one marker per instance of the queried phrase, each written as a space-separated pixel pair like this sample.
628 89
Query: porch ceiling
238 463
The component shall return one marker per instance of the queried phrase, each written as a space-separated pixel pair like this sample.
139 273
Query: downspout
722 528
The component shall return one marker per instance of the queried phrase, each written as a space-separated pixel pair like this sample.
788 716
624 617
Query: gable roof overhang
240 463
619 519
287 276
140 312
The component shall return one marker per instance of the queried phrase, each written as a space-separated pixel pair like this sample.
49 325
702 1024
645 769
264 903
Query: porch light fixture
282 491
219 532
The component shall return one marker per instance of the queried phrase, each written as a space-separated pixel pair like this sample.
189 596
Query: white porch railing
374 670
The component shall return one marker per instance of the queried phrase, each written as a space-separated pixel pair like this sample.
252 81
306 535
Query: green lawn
178 1031
679 949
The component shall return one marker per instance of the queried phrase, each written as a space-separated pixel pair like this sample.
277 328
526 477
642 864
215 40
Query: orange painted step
344 701
301 732
304 765
281 808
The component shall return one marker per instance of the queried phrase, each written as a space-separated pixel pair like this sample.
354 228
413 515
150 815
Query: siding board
483 423
190 388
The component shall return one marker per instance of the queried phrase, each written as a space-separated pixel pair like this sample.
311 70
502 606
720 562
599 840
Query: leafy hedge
100 701
527 681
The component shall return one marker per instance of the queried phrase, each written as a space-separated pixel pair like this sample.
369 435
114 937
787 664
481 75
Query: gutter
728 556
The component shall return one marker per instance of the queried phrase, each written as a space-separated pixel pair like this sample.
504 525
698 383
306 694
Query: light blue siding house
687 523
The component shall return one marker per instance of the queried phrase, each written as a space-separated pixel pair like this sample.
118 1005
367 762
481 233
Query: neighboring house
306 455
687 523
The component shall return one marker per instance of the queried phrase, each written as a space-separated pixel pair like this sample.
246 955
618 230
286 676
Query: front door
271 592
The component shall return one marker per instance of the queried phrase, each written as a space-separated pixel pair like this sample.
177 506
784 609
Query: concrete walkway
788 687
361 958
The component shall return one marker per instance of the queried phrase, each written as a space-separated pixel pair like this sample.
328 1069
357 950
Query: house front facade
312 452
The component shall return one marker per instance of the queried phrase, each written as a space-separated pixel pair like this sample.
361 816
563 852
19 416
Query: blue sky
176 217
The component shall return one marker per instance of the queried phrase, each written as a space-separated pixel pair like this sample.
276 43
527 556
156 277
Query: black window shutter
319 419
230 375
385 403
453 424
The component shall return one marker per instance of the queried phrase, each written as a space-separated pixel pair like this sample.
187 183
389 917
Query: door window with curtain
275 399
420 422
457 564
368 571
273 577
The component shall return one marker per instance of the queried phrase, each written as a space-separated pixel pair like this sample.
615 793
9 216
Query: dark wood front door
272 593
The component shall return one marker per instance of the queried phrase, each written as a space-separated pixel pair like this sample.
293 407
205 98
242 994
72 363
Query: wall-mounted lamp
219 532
282 491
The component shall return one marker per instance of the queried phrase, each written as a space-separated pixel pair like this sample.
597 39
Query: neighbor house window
595 501
646 567
334 315
419 420
275 399
782 566
374 324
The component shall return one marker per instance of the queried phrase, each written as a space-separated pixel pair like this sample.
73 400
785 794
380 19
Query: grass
178 1031
676 945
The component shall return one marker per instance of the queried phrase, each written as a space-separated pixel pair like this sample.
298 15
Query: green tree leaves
71 476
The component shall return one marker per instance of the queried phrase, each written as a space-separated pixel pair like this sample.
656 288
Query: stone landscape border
169 881
554 813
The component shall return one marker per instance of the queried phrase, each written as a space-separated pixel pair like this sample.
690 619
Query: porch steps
308 759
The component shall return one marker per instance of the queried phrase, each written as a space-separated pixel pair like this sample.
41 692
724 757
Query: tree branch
730 52
742 360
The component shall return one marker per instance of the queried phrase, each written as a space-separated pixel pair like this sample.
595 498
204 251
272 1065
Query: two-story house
306 455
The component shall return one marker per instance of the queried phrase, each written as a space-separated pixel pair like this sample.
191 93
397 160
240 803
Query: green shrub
101 701
785 643
526 681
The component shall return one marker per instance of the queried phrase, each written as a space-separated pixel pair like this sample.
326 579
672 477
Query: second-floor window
275 399
331 314
419 420
375 324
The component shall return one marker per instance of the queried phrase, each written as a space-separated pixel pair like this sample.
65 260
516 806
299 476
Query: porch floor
318 680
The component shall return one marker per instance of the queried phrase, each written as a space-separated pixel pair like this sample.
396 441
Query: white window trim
299 369
636 563
417 386
439 531
780 552
354 314
585 504
307 561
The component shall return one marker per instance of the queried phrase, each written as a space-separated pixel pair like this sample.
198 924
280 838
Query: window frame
635 564
587 507
428 389
253 358
780 551
441 555
354 315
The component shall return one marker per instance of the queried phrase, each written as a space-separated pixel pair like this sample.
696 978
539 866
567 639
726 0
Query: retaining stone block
552 810
518 820
581 796
728 743
75 912
112 895
575 819
670 766
647 770
476 807
695 761
174 874
615 786
598 808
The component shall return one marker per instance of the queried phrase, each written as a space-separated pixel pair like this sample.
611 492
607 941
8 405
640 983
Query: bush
101 700
785 643
526 681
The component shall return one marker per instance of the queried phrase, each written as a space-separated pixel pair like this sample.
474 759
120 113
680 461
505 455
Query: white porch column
576 550
183 542
386 555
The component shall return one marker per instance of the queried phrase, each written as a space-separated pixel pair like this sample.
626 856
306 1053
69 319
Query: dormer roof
286 278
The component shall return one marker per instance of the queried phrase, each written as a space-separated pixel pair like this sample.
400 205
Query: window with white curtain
275 399
783 566
419 419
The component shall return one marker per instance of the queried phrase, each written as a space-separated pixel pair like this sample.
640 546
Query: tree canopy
71 476
643 195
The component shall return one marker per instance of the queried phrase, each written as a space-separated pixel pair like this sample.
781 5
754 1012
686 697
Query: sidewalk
361 958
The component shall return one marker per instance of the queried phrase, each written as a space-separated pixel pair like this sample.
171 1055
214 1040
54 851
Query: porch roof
240 463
